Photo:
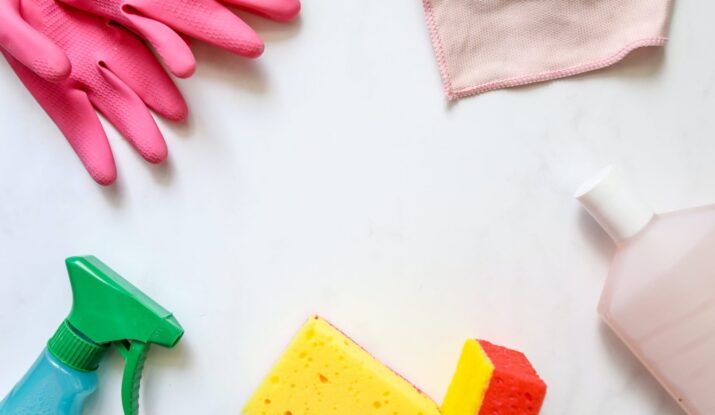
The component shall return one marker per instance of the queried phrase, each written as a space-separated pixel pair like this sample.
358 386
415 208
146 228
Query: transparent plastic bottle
659 297
50 388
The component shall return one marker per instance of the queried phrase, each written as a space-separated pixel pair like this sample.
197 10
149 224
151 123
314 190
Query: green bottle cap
108 310
75 351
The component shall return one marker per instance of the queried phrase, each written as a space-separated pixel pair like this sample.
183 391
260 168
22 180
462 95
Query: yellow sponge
323 372
470 382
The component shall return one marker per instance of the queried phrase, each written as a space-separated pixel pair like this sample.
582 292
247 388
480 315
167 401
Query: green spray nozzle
108 310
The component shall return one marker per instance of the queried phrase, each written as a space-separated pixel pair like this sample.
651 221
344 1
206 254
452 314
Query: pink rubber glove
112 72
158 21
32 48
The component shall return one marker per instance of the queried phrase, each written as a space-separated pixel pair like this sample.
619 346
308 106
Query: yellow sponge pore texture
323 372
470 382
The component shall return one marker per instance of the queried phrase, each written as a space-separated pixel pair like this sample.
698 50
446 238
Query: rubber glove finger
280 10
84 131
206 20
173 50
73 113
125 110
30 47
136 67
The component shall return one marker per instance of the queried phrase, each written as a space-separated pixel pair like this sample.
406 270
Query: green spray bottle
106 310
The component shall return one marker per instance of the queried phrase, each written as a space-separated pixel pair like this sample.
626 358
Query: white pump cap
620 212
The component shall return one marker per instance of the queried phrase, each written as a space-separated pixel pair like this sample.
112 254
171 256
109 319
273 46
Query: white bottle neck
619 211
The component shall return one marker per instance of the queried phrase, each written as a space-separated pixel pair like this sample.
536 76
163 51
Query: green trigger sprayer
106 310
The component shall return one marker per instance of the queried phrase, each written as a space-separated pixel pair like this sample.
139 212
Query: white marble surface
331 177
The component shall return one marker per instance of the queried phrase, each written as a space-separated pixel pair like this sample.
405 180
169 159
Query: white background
331 177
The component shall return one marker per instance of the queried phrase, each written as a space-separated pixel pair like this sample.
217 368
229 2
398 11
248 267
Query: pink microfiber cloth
483 45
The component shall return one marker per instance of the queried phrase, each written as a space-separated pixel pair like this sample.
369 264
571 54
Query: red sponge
515 388
493 380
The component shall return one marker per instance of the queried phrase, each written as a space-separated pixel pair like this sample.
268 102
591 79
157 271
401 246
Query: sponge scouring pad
493 380
323 372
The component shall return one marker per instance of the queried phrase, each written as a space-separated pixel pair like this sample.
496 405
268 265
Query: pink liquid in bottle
659 297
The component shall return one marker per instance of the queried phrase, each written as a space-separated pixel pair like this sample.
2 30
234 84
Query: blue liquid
50 388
